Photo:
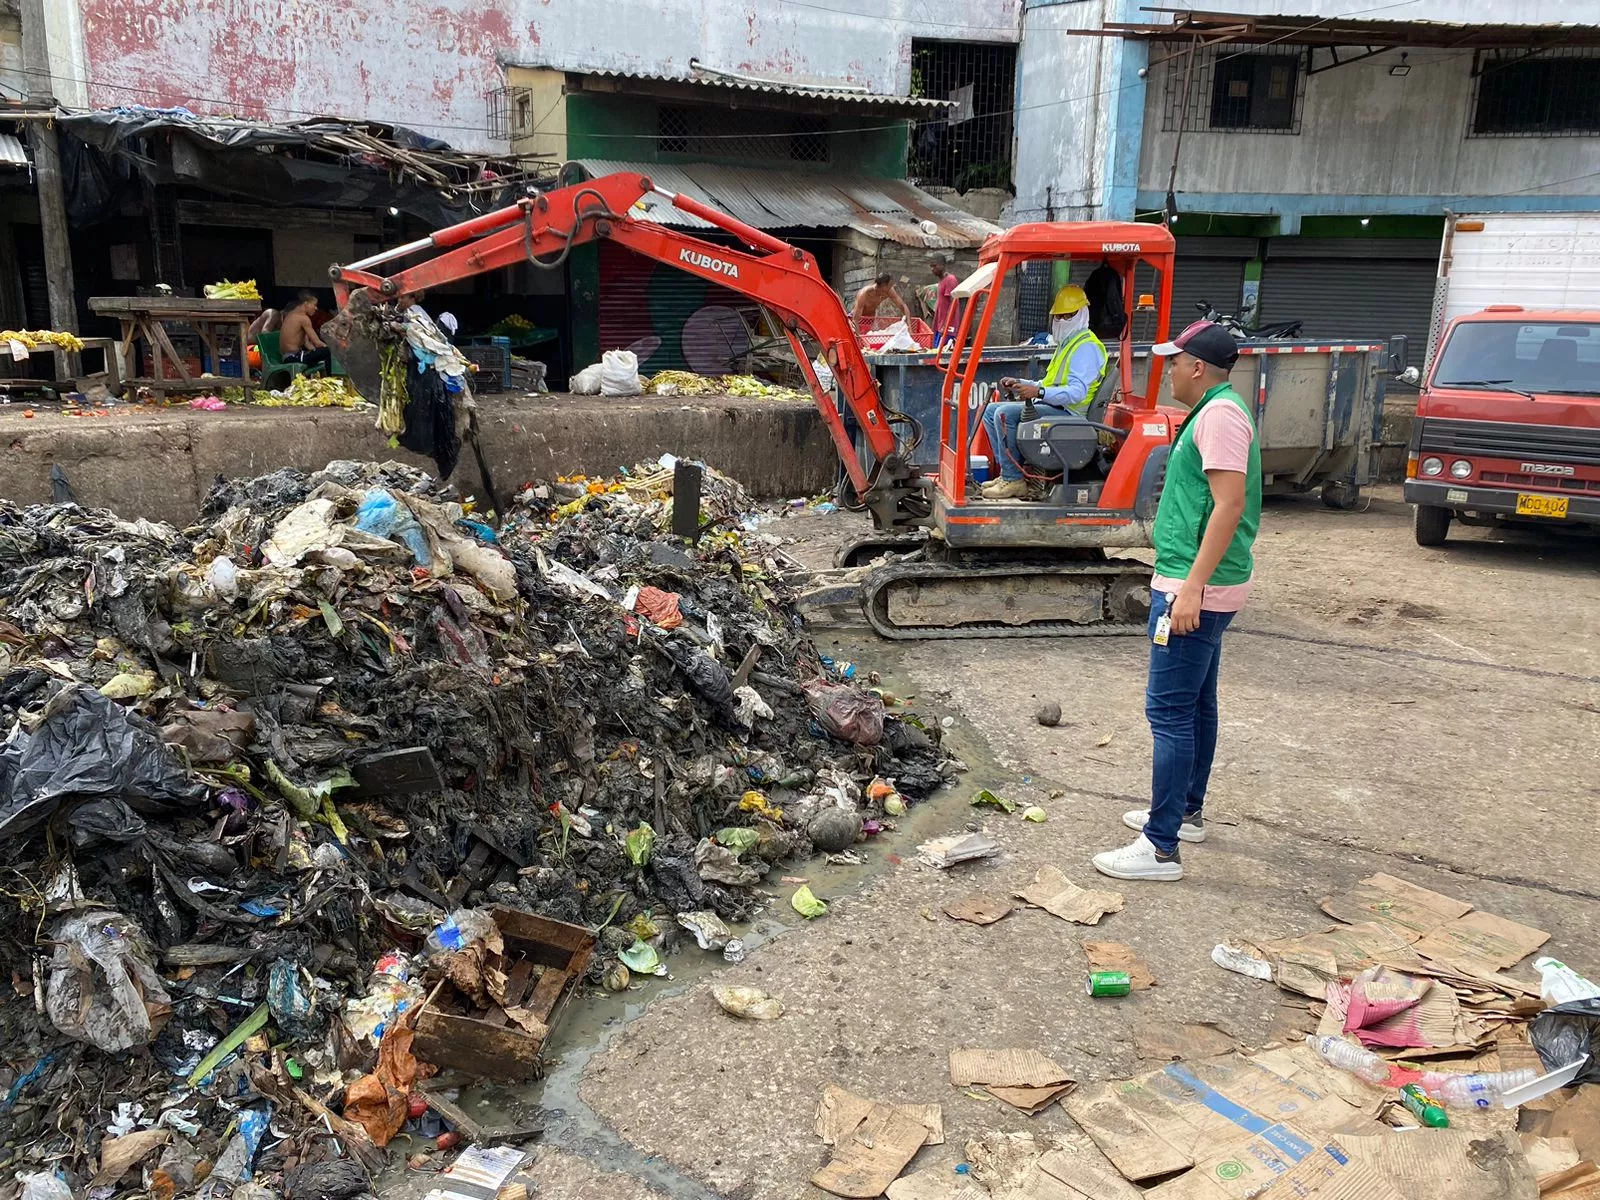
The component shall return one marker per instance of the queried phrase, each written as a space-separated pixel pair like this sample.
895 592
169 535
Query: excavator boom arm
544 229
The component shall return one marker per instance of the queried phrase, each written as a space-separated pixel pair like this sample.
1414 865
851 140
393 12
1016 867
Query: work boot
1140 860
1005 489
1193 828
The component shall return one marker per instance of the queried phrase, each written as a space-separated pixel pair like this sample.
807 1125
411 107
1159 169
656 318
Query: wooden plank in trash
547 993
516 985
476 1133
470 1044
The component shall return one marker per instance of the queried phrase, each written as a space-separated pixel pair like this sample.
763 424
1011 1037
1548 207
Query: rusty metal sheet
887 209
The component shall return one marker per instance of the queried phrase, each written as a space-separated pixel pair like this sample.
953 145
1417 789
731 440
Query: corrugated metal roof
887 209
733 83
11 152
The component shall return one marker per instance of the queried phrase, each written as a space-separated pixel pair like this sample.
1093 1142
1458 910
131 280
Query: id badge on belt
1163 625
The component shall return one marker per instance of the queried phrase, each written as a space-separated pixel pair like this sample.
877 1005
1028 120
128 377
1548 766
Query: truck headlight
1460 469
1433 466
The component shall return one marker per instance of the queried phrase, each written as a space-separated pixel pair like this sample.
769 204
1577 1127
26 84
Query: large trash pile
264 774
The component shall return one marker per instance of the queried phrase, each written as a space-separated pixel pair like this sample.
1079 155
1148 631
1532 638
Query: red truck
1508 419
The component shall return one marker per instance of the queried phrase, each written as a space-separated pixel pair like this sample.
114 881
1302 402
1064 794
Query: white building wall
1364 133
1065 115
427 66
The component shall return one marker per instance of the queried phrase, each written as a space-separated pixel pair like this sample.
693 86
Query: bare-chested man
298 340
872 297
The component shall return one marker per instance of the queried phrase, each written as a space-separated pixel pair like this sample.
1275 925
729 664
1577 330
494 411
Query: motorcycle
1271 331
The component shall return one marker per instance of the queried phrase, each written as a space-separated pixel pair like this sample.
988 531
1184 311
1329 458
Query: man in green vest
1204 530
1073 379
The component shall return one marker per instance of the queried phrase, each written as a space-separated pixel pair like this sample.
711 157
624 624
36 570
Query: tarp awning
886 209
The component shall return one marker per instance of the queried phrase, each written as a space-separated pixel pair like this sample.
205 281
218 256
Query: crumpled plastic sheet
103 986
86 747
847 712
659 607
293 1008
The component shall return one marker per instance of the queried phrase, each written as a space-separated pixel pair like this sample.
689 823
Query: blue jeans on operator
1001 418
1180 702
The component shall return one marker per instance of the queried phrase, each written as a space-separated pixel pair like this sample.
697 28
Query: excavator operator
1071 382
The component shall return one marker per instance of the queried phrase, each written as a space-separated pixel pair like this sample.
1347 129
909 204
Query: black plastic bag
1566 1033
708 678
105 819
88 747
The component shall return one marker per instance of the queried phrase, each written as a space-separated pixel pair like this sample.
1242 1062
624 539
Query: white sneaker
1193 829
1138 861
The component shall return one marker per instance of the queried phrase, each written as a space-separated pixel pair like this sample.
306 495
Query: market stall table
151 318
20 386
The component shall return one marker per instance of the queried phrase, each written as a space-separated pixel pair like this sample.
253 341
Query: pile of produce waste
255 769
687 383
311 391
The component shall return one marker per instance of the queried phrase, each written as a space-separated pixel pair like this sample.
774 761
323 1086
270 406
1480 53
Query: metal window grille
1236 89
810 140
502 107
1549 93
672 130
742 133
509 111
1034 294
972 145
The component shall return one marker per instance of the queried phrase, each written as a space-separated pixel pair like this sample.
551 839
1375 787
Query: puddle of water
595 1017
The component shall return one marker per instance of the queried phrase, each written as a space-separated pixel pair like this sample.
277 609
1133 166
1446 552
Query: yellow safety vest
1056 375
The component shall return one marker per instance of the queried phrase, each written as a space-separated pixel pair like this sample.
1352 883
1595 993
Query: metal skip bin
912 384
1318 405
1319 410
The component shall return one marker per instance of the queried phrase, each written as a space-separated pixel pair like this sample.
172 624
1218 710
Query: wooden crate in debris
544 962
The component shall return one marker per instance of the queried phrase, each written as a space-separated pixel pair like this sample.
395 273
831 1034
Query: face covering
1062 328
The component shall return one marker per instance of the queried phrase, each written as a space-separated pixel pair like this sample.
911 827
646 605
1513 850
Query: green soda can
1108 983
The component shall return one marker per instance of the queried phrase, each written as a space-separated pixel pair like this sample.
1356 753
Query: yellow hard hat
1068 300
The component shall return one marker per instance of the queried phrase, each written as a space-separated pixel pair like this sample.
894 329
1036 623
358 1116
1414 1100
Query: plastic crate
873 332
492 355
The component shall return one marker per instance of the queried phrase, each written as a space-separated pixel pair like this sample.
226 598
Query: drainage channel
593 1020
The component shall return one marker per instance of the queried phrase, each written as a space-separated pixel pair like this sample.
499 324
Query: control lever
1029 412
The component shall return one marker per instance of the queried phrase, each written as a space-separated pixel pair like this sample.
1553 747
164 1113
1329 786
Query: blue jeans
1001 419
1180 702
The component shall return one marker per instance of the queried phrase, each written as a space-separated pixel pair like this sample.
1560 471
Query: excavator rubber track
1111 596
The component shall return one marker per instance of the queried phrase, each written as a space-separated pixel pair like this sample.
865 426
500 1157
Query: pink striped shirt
1222 434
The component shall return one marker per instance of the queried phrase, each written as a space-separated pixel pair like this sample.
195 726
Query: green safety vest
1186 504
1057 374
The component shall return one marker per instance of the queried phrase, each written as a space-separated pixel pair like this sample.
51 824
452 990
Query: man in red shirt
944 309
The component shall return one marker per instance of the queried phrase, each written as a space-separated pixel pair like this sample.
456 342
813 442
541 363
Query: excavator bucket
347 332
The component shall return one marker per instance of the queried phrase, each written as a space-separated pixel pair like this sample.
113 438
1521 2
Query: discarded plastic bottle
1478 1090
1361 1063
1424 1107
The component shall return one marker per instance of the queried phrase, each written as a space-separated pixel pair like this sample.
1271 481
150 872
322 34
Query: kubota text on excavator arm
544 228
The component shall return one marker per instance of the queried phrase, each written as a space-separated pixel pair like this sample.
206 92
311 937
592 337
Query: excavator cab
1009 568
1099 473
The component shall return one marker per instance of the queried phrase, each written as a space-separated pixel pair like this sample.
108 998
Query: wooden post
47 172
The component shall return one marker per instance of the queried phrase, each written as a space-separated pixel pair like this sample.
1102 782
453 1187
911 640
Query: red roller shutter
642 298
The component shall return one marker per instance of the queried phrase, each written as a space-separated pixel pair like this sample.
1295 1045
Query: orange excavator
948 563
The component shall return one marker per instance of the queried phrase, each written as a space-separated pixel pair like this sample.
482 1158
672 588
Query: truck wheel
1338 494
1432 524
